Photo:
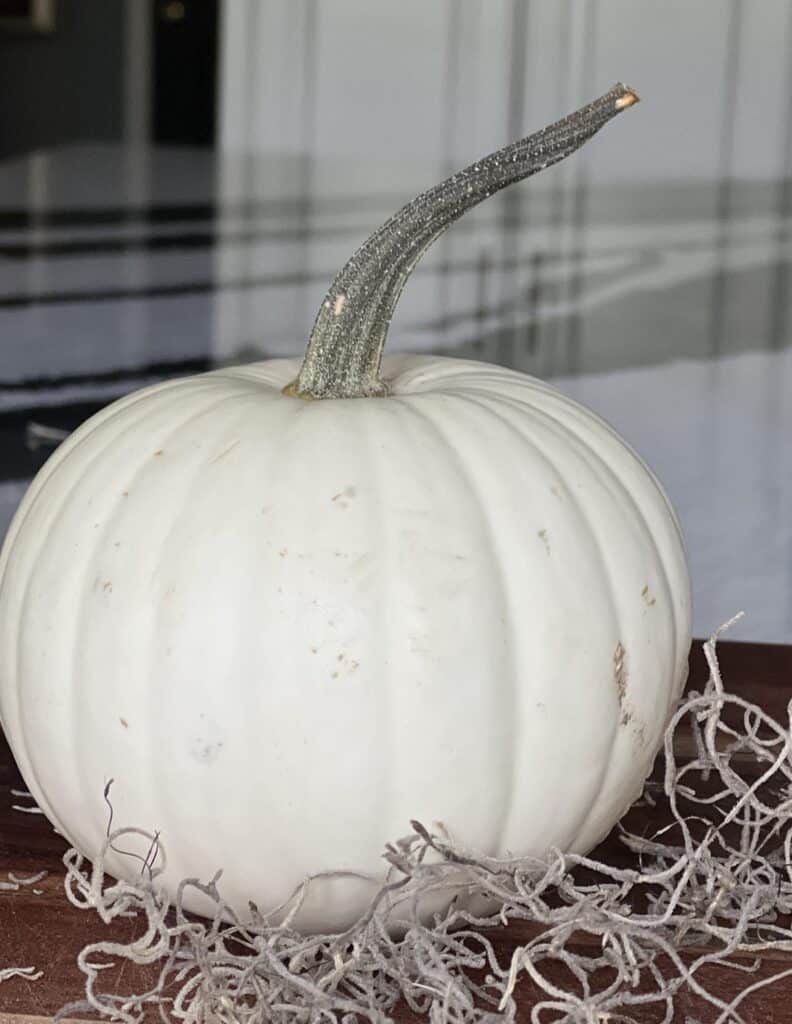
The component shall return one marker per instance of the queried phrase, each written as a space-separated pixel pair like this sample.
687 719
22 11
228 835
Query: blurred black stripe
648 204
163 243
166 213
132 375
573 255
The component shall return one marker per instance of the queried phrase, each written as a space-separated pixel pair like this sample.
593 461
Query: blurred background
180 180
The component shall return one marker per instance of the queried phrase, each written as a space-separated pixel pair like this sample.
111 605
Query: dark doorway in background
185 72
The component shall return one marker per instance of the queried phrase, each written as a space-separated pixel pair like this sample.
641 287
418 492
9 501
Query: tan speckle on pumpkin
647 596
226 451
348 492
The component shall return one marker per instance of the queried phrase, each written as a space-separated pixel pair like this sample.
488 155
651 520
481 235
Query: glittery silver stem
344 352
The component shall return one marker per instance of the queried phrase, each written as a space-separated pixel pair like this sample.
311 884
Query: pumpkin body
286 628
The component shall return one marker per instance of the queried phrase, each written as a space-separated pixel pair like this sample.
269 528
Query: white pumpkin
285 627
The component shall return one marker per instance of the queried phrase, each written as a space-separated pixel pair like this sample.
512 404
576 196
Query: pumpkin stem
344 352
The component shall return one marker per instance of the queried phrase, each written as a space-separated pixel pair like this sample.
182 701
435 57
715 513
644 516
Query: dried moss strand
28 973
345 349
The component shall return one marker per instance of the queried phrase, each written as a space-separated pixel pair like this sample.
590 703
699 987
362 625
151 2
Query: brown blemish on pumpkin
124 494
124 722
223 454
620 678
158 452
647 596
108 586
348 492
545 540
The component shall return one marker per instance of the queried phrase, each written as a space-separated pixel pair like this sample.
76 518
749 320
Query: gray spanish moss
28 973
713 888
344 352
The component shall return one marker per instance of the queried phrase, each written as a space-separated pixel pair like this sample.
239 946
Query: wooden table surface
42 929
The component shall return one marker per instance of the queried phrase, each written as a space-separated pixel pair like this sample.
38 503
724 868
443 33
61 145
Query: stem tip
627 99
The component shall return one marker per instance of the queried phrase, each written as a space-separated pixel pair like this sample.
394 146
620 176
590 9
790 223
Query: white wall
435 79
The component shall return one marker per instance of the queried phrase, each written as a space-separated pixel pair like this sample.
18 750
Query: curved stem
344 352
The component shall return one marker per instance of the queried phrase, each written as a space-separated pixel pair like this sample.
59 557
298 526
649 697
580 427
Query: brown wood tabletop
41 929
